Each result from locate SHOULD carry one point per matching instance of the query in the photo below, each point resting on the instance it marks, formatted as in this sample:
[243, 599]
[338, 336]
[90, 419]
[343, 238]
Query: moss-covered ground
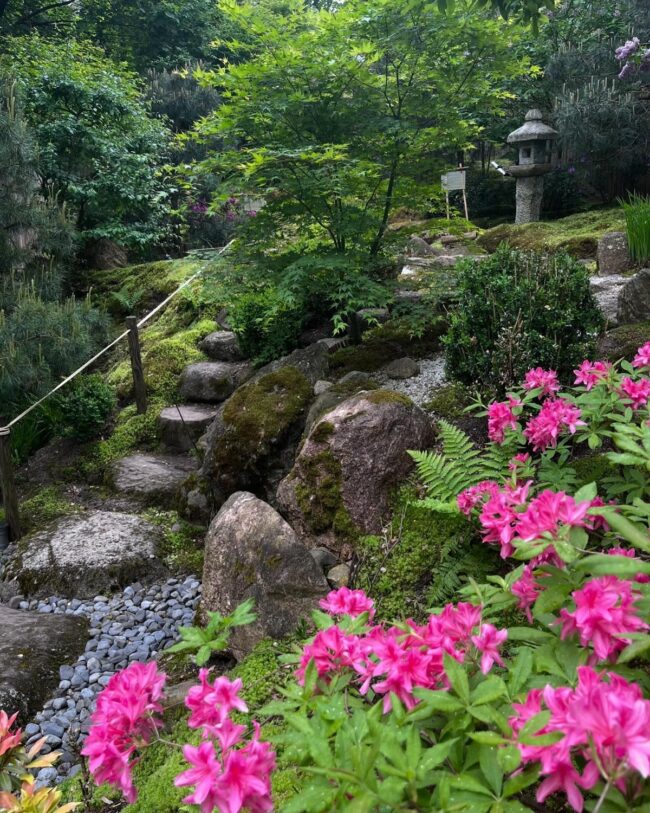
[385, 343]
[578, 234]
[421, 559]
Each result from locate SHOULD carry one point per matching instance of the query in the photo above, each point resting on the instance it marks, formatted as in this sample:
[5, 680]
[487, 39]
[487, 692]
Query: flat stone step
[181, 426]
[89, 553]
[154, 478]
[213, 381]
[222, 345]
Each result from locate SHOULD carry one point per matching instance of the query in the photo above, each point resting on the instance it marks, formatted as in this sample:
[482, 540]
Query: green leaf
[490, 767]
[436, 755]
[509, 758]
[488, 690]
[635, 649]
[520, 671]
[487, 737]
[465, 781]
[203, 655]
[433, 701]
[457, 678]
[515, 784]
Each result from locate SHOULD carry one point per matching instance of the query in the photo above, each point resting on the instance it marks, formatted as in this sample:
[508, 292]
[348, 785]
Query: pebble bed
[135, 625]
[420, 388]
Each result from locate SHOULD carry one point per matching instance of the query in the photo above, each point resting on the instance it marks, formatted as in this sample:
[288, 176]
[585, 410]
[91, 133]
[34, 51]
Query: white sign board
[452, 181]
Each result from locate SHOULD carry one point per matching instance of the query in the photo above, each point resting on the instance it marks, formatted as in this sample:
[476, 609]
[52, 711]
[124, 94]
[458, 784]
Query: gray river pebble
[135, 625]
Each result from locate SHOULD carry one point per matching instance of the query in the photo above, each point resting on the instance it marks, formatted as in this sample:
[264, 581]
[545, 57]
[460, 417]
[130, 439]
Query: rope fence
[133, 325]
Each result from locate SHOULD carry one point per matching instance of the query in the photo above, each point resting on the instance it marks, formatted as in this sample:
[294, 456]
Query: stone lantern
[534, 140]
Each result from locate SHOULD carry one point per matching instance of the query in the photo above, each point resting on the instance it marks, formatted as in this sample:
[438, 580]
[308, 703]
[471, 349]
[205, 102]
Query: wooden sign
[454, 181]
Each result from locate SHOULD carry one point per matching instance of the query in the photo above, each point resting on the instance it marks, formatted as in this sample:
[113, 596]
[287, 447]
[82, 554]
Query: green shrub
[519, 310]
[85, 409]
[637, 219]
[266, 325]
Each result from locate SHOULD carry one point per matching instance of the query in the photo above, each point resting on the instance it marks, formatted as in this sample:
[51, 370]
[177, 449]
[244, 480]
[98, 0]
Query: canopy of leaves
[99, 147]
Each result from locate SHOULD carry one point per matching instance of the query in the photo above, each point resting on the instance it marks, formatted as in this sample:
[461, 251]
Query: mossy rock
[348, 465]
[255, 428]
[422, 560]
[181, 548]
[577, 234]
[622, 342]
[387, 343]
[449, 401]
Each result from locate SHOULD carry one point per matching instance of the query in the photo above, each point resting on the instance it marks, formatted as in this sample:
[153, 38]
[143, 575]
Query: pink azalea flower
[348, 602]
[638, 392]
[642, 358]
[589, 374]
[604, 613]
[545, 428]
[546, 512]
[526, 588]
[544, 379]
[332, 650]
[468, 499]
[211, 704]
[204, 774]
[605, 722]
[487, 642]
[500, 418]
[124, 720]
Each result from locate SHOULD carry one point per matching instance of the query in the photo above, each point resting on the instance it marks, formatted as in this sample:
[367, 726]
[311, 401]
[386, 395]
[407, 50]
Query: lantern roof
[533, 130]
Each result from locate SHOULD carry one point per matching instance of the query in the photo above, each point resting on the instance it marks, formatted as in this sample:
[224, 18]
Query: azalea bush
[532, 685]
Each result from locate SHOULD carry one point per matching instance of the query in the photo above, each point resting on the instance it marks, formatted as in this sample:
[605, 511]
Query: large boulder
[251, 552]
[252, 441]
[222, 345]
[349, 464]
[213, 381]
[88, 554]
[32, 648]
[613, 254]
[634, 298]
[153, 478]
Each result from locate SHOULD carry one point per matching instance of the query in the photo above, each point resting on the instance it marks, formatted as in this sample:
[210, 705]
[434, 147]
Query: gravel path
[135, 625]
[419, 388]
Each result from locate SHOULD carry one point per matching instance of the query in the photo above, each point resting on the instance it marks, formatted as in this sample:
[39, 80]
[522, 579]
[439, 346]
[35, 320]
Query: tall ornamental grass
[637, 216]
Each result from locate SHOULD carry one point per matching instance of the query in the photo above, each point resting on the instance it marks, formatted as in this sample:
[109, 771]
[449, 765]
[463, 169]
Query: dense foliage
[336, 119]
[99, 147]
[44, 333]
[517, 309]
[532, 686]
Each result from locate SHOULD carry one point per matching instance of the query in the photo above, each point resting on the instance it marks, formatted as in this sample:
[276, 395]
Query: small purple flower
[571, 170]
[626, 70]
[251, 213]
[625, 51]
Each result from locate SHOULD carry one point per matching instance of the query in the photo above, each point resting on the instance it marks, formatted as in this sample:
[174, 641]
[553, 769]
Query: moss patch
[577, 234]
[166, 350]
[132, 433]
[48, 504]
[592, 469]
[449, 401]
[623, 341]
[138, 288]
[182, 544]
[387, 397]
[422, 560]
[386, 343]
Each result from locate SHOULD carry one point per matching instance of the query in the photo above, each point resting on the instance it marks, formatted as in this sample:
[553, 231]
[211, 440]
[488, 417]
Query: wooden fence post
[9, 495]
[139, 385]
